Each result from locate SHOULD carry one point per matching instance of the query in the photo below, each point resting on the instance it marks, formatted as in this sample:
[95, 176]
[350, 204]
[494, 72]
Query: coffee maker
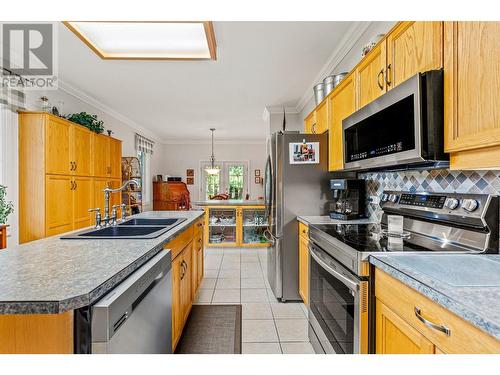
[349, 199]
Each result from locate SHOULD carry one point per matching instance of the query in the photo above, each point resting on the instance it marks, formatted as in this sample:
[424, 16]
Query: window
[232, 179]
[145, 159]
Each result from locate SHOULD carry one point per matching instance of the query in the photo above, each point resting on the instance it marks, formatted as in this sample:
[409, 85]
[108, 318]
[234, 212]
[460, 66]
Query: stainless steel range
[339, 310]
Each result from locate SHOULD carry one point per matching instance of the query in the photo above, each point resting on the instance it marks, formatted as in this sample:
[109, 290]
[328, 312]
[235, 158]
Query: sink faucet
[107, 193]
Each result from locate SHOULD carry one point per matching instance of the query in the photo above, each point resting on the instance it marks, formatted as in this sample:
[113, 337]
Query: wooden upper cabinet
[370, 76]
[310, 122]
[81, 151]
[115, 161]
[57, 146]
[413, 47]
[321, 125]
[101, 155]
[342, 103]
[471, 84]
[395, 336]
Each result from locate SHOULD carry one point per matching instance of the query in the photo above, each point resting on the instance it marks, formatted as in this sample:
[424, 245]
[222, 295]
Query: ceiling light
[148, 40]
[212, 169]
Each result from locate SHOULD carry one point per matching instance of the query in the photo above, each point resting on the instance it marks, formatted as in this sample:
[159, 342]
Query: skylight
[148, 40]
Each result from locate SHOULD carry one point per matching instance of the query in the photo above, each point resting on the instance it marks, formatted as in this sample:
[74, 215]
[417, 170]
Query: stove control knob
[393, 198]
[470, 205]
[384, 197]
[451, 203]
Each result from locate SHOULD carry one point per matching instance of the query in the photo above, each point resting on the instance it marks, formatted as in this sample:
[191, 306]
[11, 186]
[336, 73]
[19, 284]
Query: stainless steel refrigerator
[292, 187]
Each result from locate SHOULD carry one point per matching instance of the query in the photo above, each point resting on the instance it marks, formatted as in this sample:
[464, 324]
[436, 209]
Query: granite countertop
[53, 275]
[311, 220]
[230, 202]
[466, 284]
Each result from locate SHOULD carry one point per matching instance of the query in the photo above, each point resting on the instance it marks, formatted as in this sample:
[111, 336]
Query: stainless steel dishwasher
[136, 316]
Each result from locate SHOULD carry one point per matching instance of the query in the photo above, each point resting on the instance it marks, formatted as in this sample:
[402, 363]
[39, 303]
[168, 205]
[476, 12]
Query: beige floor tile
[228, 283]
[254, 295]
[256, 311]
[230, 266]
[259, 331]
[292, 329]
[208, 283]
[297, 348]
[253, 283]
[212, 264]
[204, 296]
[211, 274]
[289, 310]
[251, 274]
[229, 274]
[261, 348]
[226, 296]
[272, 298]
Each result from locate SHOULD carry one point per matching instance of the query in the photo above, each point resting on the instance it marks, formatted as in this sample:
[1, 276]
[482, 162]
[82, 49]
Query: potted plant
[6, 208]
[89, 121]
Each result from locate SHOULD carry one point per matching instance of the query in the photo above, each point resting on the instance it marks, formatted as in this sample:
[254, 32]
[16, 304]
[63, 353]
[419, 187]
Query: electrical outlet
[374, 199]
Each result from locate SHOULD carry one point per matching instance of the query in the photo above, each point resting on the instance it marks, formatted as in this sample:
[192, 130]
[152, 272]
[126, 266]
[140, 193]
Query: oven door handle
[348, 283]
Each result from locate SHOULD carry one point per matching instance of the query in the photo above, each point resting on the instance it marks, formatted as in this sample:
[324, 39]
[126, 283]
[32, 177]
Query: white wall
[176, 158]
[350, 60]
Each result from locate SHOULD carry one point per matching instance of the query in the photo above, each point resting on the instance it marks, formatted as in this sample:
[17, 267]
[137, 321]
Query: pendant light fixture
[212, 169]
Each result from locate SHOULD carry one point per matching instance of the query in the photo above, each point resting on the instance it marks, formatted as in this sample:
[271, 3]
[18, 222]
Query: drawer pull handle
[430, 324]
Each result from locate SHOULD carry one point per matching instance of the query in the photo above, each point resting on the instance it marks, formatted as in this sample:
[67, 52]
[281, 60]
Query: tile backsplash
[436, 180]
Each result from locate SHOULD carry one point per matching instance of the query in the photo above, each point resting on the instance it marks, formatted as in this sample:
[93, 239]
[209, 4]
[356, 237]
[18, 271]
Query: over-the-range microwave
[401, 129]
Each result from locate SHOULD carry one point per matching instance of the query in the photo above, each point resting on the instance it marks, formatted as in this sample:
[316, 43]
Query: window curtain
[11, 98]
[142, 144]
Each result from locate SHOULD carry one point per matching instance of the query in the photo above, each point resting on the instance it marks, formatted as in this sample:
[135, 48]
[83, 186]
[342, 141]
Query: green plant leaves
[6, 208]
[89, 121]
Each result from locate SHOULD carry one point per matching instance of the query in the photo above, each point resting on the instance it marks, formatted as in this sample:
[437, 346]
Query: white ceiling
[258, 64]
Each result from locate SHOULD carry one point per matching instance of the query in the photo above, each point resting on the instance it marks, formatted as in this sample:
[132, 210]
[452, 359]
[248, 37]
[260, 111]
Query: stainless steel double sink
[135, 228]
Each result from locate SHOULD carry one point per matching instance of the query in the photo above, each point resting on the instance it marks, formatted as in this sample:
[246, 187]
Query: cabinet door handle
[183, 270]
[76, 185]
[72, 187]
[76, 165]
[70, 165]
[380, 74]
[387, 75]
[313, 128]
[428, 323]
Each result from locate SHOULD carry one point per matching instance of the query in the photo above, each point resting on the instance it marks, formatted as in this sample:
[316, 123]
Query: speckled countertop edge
[81, 300]
[389, 265]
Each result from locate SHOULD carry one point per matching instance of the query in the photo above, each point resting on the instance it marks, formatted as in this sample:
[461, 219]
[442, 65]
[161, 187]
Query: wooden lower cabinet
[59, 201]
[83, 199]
[395, 336]
[304, 269]
[399, 330]
[37, 334]
[99, 185]
[187, 273]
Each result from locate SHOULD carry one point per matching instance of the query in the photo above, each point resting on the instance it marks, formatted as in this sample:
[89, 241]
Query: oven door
[338, 308]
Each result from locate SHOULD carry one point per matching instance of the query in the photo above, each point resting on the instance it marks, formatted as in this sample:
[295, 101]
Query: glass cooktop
[369, 238]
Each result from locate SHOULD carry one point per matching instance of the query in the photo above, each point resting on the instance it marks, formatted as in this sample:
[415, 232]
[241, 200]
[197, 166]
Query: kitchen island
[44, 281]
[437, 303]
[235, 223]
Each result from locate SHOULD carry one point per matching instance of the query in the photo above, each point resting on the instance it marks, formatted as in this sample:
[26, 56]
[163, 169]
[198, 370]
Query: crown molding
[346, 44]
[278, 110]
[90, 100]
[219, 142]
